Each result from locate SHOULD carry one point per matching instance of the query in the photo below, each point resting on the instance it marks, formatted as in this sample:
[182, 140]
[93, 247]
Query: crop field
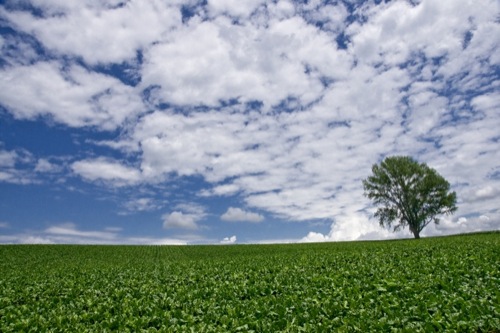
[438, 284]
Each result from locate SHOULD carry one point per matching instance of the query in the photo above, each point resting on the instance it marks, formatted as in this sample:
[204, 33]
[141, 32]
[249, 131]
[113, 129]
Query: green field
[436, 284]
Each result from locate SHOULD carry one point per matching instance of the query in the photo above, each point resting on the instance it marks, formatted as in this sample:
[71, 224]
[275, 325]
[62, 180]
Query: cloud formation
[353, 227]
[113, 33]
[106, 170]
[185, 217]
[239, 215]
[229, 240]
[13, 164]
[180, 220]
[281, 106]
[70, 233]
[70, 95]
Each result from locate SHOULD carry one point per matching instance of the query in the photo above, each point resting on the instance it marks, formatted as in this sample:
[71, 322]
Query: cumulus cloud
[35, 240]
[449, 226]
[155, 241]
[353, 227]
[110, 171]
[180, 220]
[486, 192]
[112, 34]
[69, 229]
[7, 158]
[44, 165]
[239, 215]
[73, 96]
[70, 233]
[360, 227]
[268, 65]
[141, 204]
[236, 8]
[229, 240]
[14, 167]
[285, 105]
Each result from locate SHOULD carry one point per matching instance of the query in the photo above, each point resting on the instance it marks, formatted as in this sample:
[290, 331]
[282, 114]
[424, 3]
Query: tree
[408, 193]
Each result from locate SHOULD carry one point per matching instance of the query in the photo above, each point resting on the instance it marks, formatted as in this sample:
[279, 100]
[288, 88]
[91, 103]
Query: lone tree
[408, 193]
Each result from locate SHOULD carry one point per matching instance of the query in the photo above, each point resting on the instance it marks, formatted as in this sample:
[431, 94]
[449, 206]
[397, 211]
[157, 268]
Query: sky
[240, 121]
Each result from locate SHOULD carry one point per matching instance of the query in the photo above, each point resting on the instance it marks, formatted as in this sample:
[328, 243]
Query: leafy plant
[437, 284]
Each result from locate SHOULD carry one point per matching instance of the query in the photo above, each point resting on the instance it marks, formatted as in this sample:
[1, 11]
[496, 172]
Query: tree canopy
[408, 193]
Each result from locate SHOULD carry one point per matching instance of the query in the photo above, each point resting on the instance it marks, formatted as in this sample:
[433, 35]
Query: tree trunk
[416, 232]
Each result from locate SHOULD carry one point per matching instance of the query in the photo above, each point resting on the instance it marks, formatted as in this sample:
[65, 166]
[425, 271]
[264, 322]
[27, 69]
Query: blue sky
[239, 121]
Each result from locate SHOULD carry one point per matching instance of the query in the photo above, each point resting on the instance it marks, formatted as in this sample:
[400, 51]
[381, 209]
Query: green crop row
[441, 284]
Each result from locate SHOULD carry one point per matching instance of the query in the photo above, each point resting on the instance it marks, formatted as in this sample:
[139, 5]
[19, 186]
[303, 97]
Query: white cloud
[273, 160]
[72, 96]
[221, 190]
[353, 227]
[69, 229]
[488, 102]
[331, 16]
[265, 65]
[44, 165]
[187, 145]
[17, 51]
[236, 8]
[4, 225]
[111, 35]
[7, 158]
[156, 241]
[239, 215]
[229, 240]
[180, 220]
[191, 208]
[34, 240]
[394, 30]
[315, 237]
[13, 167]
[186, 216]
[411, 79]
[69, 233]
[141, 205]
[359, 227]
[11, 177]
[102, 169]
[487, 192]
[274, 241]
[449, 226]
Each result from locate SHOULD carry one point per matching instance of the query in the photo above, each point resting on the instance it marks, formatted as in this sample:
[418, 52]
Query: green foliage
[438, 284]
[410, 193]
